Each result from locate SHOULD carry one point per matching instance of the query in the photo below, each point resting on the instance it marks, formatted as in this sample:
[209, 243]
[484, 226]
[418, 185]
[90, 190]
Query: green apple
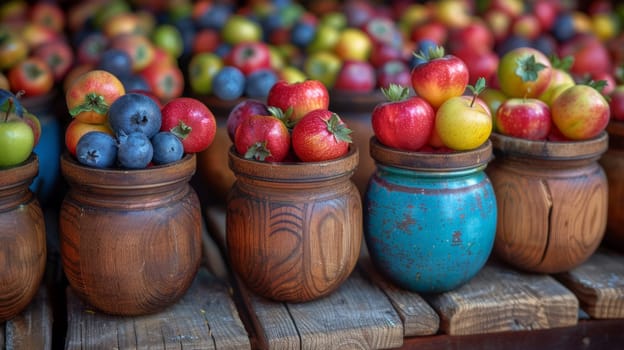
[324, 39]
[323, 66]
[201, 69]
[291, 74]
[168, 37]
[334, 19]
[239, 29]
[17, 140]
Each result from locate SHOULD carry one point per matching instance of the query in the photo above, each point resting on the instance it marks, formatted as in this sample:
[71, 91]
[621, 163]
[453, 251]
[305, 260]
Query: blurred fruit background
[226, 51]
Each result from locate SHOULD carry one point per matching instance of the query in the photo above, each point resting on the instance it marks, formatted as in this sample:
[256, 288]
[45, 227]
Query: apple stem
[8, 111]
[476, 89]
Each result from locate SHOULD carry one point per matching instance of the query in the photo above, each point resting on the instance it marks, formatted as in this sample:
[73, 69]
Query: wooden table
[500, 308]
[32, 328]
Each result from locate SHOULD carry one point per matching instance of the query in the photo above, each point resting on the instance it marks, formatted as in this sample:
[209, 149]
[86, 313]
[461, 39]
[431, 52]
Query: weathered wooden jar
[429, 218]
[294, 230]
[612, 161]
[552, 200]
[22, 239]
[214, 178]
[130, 239]
[355, 110]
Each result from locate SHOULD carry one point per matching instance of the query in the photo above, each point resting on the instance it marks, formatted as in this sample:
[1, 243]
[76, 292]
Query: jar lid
[431, 161]
[568, 150]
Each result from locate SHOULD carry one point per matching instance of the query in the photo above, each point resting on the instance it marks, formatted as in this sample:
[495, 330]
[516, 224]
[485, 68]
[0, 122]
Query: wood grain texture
[503, 299]
[552, 205]
[22, 239]
[613, 164]
[598, 284]
[418, 317]
[30, 329]
[130, 244]
[205, 318]
[293, 238]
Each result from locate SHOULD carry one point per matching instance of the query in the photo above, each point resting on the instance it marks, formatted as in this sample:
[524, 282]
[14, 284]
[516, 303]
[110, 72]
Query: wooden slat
[599, 284]
[357, 315]
[32, 328]
[205, 318]
[418, 317]
[502, 299]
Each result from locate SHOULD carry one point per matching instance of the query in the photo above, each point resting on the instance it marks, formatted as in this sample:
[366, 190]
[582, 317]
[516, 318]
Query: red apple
[192, 121]
[48, 14]
[591, 56]
[432, 30]
[58, 55]
[527, 118]
[91, 47]
[524, 72]
[616, 103]
[482, 63]
[475, 36]
[394, 72]
[249, 57]
[356, 76]
[383, 53]
[166, 81]
[241, 111]
[403, 122]
[546, 12]
[526, 26]
[89, 96]
[33, 75]
[440, 77]
[580, 112]
[299, 97]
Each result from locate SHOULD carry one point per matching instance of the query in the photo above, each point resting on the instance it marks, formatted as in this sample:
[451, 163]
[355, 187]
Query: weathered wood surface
[30, 329]
[599, 284]
[500, 298]
[418, 317]
[205, 318]
[356, 316]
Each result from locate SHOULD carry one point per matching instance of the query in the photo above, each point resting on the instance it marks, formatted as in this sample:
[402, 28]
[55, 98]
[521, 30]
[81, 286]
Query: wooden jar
[22, 239]
[612, 161]
[130, 239]
[294, 230]
[355, 110]
[552, 199]
[429, 218]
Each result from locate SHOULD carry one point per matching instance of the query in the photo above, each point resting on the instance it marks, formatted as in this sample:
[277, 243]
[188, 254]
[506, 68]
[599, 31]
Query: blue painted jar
[430, 218]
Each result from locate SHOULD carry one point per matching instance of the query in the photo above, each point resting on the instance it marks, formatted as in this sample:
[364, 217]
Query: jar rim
[25, 170]
[430, 161]
[295, 171]
[552, 150]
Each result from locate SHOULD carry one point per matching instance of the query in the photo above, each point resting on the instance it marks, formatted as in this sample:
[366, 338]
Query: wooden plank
[502, 299]
[598, 284]
[205, 318]
[418, 317]
[32, 328]
[586, 335]
[357, 315]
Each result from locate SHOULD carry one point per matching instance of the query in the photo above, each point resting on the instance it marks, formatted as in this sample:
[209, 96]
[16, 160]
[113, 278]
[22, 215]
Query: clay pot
[130, 239]
[355, 110]
[22, 239]
[612, 161]
[294, 230]
[552, 199]
[430, 218]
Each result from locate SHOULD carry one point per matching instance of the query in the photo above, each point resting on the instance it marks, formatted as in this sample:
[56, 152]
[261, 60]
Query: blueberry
[135, 151]
[115, 61]
[167, 148]
[96, 149]
[215, 17]
[563, 27]
[135, 112]
[259, 83]
[229, 83]
[302, 33]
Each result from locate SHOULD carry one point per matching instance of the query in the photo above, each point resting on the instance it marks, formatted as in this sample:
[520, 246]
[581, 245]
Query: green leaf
[395, 93]
[92, 102]
[258, 151]
[561, 63]
[477, 89]
[528, 68]
[338, 129]
[182, 130]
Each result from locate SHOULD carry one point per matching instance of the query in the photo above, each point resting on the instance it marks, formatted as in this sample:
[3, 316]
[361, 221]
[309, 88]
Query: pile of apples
[539, 101]
[35, 54]
[440, 117]
[294, 125]
[112, 128]
[20, 130]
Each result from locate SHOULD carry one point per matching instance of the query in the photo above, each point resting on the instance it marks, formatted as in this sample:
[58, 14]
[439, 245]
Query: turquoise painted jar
[429, 218]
